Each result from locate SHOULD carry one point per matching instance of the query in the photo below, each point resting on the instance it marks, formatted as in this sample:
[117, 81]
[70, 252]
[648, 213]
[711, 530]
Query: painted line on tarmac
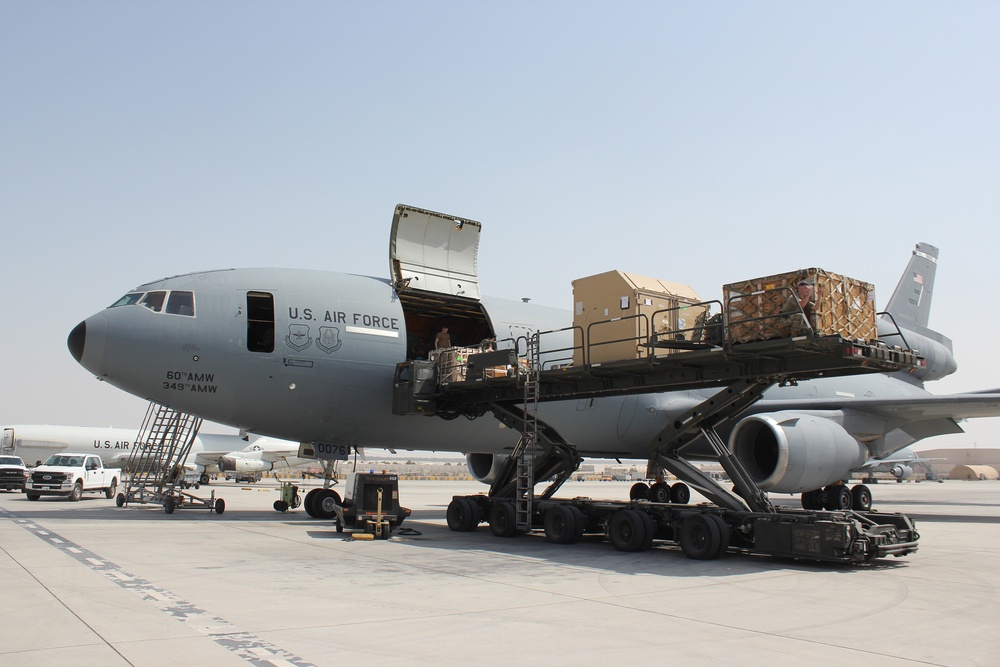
[247, 646]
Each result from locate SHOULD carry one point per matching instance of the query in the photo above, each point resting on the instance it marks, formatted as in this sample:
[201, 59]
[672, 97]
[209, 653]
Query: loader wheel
[463, 515]
[503, 519]
[561, 524]
[700, 537]
[627, 530]
[220, 506]
[169, 505]
[725, 534]
[120, 500]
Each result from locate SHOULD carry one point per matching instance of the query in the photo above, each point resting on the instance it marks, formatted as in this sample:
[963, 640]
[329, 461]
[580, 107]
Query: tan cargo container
[617, 311]
[843, 306]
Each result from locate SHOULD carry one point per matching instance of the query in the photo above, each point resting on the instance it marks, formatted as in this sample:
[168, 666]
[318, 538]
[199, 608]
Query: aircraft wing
[874, 463]
[909, 409]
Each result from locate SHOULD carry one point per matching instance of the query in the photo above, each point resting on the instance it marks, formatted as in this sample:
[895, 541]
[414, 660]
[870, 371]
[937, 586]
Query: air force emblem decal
[329, 339]
[298, 337]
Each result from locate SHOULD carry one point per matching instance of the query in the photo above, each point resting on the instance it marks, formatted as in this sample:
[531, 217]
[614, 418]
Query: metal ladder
[156, 462]
[527, 446]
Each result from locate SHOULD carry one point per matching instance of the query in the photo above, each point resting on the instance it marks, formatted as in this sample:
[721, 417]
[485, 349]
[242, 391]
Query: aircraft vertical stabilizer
[910, 304]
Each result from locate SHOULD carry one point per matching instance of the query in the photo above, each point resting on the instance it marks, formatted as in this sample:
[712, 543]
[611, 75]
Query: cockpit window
[127, 300]
[154, 301]
[181, 303]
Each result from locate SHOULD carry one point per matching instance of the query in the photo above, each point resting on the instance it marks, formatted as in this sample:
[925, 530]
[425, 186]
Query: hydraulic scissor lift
[742, 519]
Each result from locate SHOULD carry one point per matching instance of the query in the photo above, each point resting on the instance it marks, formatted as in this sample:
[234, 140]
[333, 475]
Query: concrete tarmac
[89, 583]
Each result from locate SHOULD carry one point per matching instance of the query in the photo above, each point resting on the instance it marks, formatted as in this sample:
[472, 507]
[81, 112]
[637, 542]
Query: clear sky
[697, 142]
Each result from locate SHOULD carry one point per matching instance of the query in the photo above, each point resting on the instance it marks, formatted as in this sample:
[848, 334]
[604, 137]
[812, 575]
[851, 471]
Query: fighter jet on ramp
[310, 356]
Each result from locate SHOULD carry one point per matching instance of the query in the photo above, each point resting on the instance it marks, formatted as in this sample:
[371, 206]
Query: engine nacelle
[485, 467]
[789, 452]
[901, 471]
[231, 463]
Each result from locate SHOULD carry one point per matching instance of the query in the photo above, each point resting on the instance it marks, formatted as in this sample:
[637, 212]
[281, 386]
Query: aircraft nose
[77, 341]
[86, 342]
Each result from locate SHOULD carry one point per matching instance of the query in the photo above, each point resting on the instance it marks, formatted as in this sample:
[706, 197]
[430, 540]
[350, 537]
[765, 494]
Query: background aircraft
[310, 356]
[900, 465]
[210, 453]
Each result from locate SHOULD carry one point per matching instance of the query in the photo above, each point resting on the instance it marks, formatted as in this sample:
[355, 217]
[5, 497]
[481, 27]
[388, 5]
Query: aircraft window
[260, 322]
[181, 303]
[127, 300]
[154, 301]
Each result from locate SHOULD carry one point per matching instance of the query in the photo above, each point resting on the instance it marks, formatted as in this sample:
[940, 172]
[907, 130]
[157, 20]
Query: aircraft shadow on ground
[595, 551]
[427, 530]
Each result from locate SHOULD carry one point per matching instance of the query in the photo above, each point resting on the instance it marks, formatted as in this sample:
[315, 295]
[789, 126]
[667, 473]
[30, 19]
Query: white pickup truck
[70, 475]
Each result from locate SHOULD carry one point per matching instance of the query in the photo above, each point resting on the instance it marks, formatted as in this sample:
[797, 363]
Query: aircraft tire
[110, 491]
[280, 506]
[812, 500]
[700, 537]
[861, 498]
[308, 505]
[639, 491]
[503, 519]
[627, 530]
[120, 500]
[324, 502]
[561, 524]
[659, 492]
[204, 478]
[838, 498]
[680, 493]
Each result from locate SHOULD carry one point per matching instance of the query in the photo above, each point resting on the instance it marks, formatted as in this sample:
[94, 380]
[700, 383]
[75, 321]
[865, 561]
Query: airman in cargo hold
[804, 299]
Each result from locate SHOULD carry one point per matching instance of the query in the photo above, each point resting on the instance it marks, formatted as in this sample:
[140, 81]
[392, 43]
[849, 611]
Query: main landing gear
[838, 497]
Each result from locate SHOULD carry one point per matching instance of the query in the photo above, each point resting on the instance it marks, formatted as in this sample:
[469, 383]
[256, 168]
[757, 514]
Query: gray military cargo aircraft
[310, 356]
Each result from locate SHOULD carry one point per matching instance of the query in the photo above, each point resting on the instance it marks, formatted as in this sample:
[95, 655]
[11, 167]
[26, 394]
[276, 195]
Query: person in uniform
[804, 300]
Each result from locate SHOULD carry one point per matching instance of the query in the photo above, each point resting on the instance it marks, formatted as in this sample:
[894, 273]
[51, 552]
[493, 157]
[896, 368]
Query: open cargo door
[434, 252]
[432, 260]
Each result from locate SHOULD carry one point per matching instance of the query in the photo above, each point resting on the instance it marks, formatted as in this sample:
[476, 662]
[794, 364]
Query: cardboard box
[617, 313]
[843, 306]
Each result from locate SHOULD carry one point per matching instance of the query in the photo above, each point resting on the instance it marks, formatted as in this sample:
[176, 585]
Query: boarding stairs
[156, 463]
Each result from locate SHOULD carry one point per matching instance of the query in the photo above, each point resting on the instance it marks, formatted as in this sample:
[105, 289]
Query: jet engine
[788, 452]
[231, 463]
[485, 467]
[901, 471]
